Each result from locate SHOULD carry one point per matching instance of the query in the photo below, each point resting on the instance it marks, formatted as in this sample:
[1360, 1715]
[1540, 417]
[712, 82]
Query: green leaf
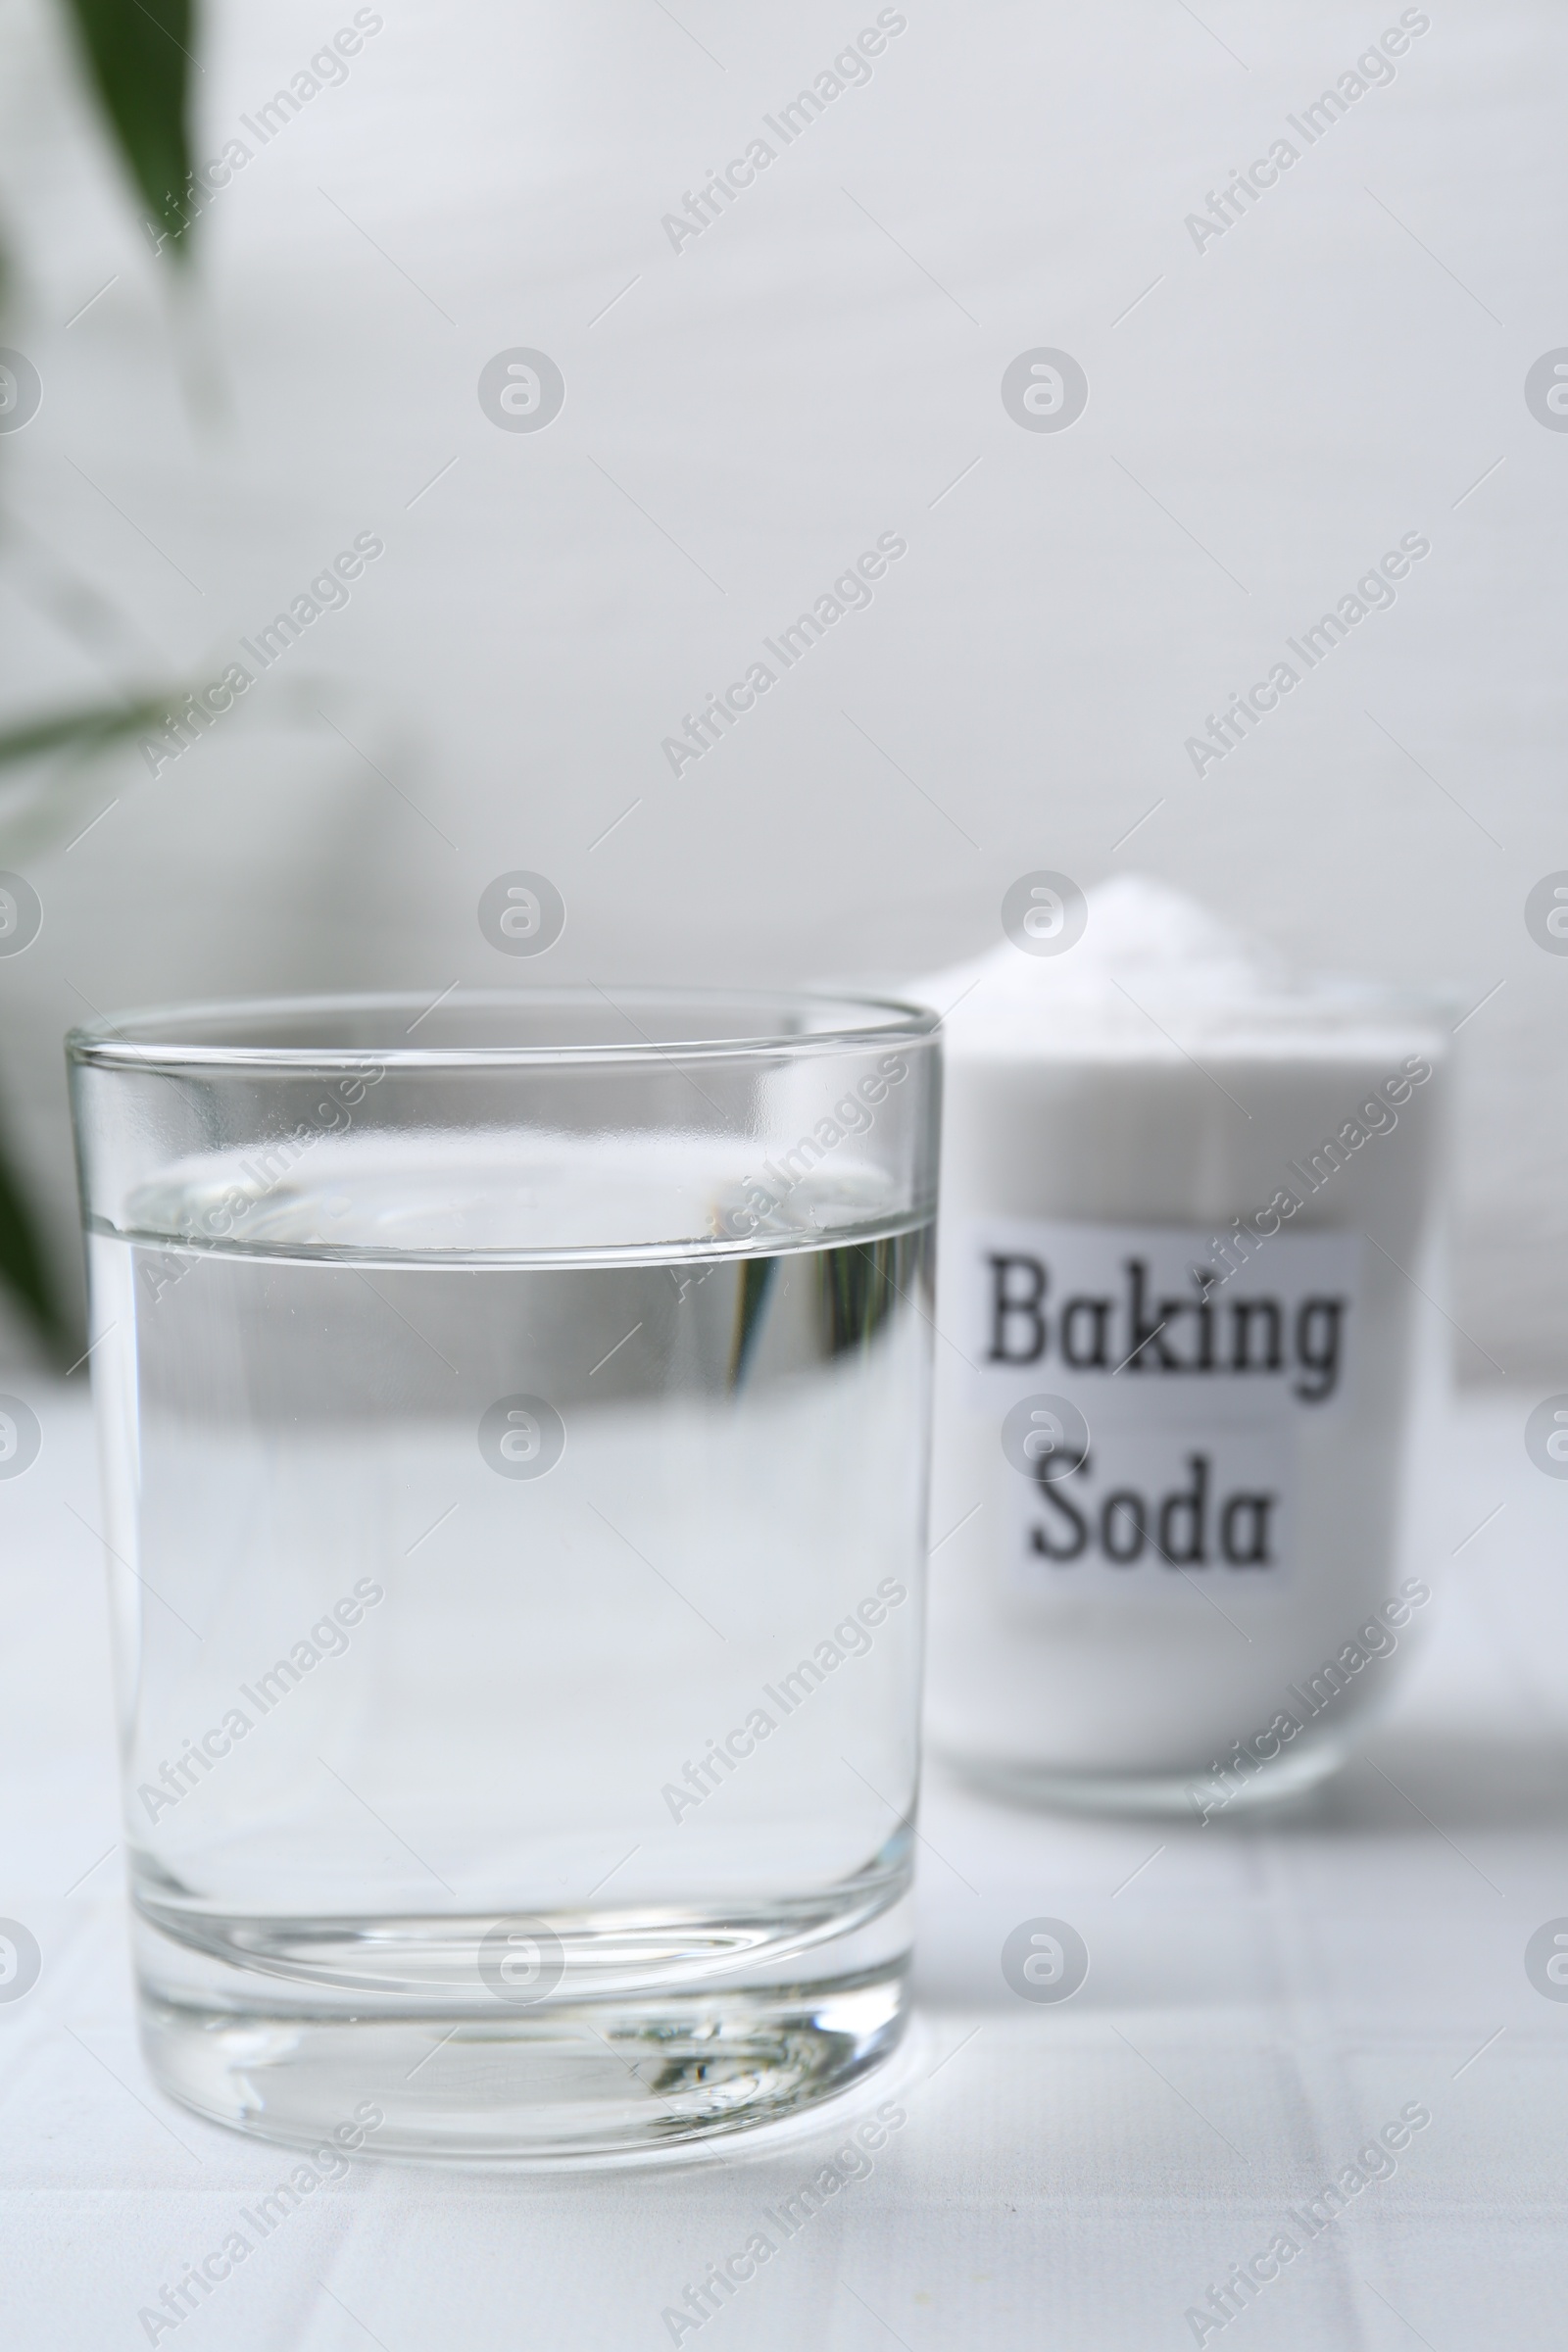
[138, 54]
[90, 730]
[23, 1269]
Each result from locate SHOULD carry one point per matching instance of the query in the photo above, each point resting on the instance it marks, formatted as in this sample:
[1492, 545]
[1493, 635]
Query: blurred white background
[822, 364]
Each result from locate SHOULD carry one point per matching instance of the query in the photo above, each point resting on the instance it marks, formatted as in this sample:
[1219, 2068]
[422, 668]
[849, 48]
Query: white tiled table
[1262, 2000]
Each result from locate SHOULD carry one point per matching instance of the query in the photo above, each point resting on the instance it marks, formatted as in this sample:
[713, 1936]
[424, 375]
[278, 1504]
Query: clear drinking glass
[513, 1417]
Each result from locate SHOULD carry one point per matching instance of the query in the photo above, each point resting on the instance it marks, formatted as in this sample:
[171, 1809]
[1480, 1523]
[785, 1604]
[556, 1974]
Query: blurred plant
[136, 55]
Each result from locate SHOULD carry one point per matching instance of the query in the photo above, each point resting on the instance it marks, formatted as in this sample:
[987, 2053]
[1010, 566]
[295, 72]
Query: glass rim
[1335, 1006]
[151, 1038]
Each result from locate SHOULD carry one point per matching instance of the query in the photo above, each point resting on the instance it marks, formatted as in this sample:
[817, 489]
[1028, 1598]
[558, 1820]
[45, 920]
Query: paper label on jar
[1155, 1392]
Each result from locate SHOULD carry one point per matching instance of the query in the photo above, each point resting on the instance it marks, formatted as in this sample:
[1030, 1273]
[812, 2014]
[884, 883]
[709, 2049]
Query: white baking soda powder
[1187, 1242]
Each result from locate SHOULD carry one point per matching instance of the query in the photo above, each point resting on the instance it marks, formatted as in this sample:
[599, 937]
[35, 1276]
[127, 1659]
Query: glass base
[597, 2085]
[434, 2073]
[1195, 1796]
